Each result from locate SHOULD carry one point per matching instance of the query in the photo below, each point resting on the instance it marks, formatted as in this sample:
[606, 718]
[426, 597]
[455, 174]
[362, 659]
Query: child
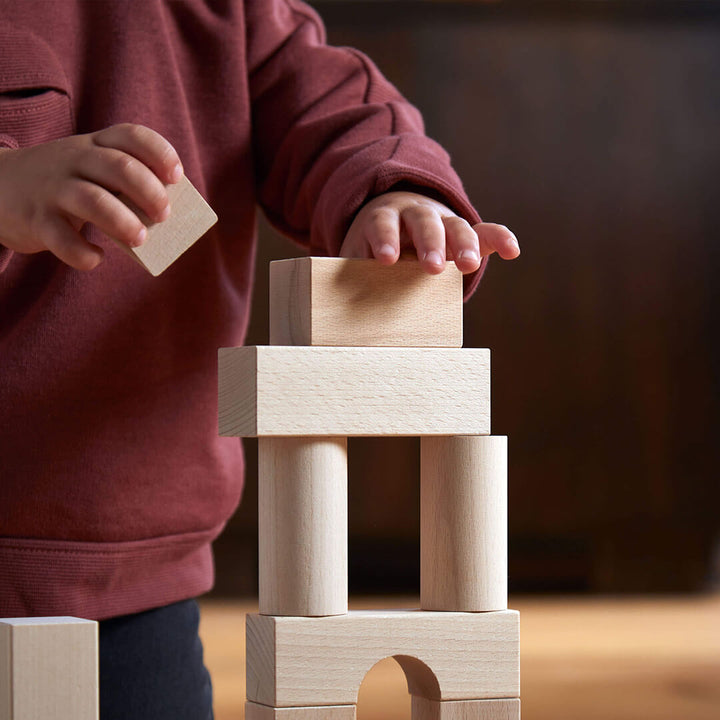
[113, 480]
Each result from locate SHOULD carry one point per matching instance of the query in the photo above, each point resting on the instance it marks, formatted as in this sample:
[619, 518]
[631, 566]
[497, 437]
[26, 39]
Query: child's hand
[48, 192]
[397, 220]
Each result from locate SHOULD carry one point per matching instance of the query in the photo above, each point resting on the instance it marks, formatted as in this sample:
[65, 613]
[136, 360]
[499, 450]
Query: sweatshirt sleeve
[35, 104]
[6, 143]
[330, 132]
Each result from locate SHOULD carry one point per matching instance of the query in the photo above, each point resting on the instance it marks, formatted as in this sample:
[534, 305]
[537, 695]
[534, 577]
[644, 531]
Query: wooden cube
[48, 669]
[190, 218]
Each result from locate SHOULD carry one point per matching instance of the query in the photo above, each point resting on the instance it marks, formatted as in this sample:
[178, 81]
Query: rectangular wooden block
[191, 217]
[277, 390]
[254, 711]
[423, 709]
[295, 661]
[343, 302]
[48, 669]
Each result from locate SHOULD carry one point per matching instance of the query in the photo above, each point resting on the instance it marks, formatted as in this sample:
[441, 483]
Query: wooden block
[276, 390]
[338, 301]
[254, 711]
[463, 526]
[48, 669]
[322, 661]
[302, 488]
[423, 709]
[191, 217]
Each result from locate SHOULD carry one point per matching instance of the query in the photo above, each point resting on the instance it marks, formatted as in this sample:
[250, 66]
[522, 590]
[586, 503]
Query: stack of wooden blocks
[361, 349]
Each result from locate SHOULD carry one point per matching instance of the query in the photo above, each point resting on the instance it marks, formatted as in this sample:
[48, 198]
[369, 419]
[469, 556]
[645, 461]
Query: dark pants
[151, 666]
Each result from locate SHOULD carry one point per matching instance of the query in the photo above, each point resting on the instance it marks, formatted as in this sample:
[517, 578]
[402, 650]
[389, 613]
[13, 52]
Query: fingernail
[141, 236]
[433, 257]
[470, 256]
[387, 250]
[176, 174]
[164, 214]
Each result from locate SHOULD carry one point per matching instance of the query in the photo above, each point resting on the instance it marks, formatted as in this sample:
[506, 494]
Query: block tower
[361, 349]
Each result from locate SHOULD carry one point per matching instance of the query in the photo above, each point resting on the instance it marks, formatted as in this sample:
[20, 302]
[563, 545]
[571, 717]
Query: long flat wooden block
[254, 711]
[277, 390]
[423, 709]
[463, 523]
[48, 669]
[302, 526]
[322, 661]
[190, 218]
[343, 302]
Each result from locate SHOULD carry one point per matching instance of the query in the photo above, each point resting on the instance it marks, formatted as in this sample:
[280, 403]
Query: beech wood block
[254, 711]
[277, 390]
[322, 661]
[340, 301]
[303, 537]
[423, 709]
[463, 523]
[190, 218]
[48, 669]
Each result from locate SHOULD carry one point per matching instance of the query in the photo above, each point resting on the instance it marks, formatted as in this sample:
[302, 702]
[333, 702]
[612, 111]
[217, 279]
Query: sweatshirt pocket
[35, 104]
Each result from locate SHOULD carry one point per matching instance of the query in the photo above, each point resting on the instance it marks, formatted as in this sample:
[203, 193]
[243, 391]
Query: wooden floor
[582, 659]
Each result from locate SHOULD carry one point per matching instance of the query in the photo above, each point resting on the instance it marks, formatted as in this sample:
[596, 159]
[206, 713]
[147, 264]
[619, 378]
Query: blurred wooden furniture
[590, 129]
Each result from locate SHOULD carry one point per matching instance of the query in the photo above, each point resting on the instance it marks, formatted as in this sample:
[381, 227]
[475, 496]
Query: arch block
[299, 661]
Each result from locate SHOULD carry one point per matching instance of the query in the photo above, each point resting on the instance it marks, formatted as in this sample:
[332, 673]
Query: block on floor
[504, 709]
[48, 669]
[255, 711]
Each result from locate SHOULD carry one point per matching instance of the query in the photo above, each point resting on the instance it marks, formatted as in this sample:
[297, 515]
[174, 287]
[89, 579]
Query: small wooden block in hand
[190, 218]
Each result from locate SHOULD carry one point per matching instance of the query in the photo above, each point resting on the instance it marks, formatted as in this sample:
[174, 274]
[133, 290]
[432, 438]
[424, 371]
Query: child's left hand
[396, 220]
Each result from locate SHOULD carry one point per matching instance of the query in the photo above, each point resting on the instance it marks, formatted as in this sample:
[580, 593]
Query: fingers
[462, 243]
[380, 235]
[69, 246]
[144, 144]
[497, 238]
[401, 219]
[116, 170]
[83, 199]
[425, 228]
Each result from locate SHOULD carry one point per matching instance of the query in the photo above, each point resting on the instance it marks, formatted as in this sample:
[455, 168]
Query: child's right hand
[48, 192]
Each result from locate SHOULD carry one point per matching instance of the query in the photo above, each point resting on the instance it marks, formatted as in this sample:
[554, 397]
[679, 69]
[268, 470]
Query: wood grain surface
[592, 658]
[279, 390]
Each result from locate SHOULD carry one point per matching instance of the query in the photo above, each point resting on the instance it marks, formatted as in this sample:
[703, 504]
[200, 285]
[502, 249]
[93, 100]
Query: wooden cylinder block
[463, 529]
[302, 525]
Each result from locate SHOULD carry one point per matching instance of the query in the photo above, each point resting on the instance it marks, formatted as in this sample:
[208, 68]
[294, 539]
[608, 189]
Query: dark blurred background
[592, 129]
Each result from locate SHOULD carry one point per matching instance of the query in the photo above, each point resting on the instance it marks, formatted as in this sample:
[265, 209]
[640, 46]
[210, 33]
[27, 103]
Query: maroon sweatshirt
[113, 480]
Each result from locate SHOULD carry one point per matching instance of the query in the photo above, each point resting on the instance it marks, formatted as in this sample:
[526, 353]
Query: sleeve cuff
[7, 142]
